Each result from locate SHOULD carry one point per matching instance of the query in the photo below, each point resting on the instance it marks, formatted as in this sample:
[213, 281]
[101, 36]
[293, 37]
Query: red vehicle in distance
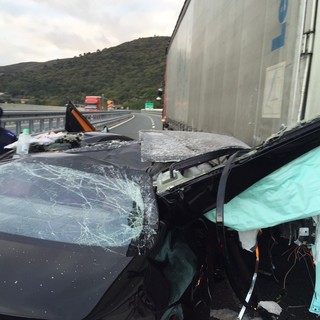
[95, 103]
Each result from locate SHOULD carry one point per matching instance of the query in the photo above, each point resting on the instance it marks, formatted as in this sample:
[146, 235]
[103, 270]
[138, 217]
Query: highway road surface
[138, 121]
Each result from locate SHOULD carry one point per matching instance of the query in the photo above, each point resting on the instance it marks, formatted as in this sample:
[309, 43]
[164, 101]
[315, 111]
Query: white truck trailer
[243, 68]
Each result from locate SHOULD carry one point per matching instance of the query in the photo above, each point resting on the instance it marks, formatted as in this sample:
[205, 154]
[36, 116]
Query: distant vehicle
[243, 69]
[111, 106]
[95, 103]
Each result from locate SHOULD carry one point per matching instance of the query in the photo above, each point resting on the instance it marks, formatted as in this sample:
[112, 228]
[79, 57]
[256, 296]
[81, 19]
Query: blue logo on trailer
[279, 40]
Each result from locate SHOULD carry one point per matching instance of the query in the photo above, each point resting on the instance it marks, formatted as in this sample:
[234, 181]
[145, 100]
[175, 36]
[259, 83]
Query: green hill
[128, 74]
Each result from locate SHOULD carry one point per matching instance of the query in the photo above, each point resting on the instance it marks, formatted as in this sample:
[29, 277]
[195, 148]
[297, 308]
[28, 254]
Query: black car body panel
[51, 280]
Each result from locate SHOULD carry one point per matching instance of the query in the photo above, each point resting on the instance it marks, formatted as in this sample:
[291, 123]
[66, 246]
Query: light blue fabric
[290, 193]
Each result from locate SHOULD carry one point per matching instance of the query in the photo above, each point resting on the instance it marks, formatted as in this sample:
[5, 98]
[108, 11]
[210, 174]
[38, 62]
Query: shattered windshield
[180, 145]
[102, 206]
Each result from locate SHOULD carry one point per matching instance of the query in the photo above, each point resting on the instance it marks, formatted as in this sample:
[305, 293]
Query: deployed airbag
[290, 193]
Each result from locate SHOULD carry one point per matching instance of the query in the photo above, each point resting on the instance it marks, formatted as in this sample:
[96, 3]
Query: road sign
[148, 105]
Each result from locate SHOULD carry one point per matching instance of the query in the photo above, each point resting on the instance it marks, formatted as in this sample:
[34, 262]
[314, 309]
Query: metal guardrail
[44, 121]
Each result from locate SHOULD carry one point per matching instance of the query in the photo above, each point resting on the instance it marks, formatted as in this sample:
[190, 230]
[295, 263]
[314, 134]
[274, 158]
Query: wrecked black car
[99, 226]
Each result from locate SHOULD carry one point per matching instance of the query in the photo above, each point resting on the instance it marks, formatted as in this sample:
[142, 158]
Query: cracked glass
[99, 205]
[179, 145]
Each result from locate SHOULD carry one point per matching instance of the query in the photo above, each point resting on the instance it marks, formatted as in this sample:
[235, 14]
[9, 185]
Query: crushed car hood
[70, 224]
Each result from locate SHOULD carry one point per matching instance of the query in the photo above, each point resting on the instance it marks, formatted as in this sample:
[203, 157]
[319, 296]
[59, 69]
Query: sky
[43, 30]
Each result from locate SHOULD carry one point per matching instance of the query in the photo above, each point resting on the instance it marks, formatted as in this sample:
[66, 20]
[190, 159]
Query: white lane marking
[152, 122]
[121, 123]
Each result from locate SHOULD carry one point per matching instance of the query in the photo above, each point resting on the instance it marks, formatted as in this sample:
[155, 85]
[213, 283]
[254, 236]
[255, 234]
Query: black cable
[221, 230]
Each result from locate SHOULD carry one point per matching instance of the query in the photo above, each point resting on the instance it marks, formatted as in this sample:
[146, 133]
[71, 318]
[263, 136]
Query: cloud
[37, 30]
